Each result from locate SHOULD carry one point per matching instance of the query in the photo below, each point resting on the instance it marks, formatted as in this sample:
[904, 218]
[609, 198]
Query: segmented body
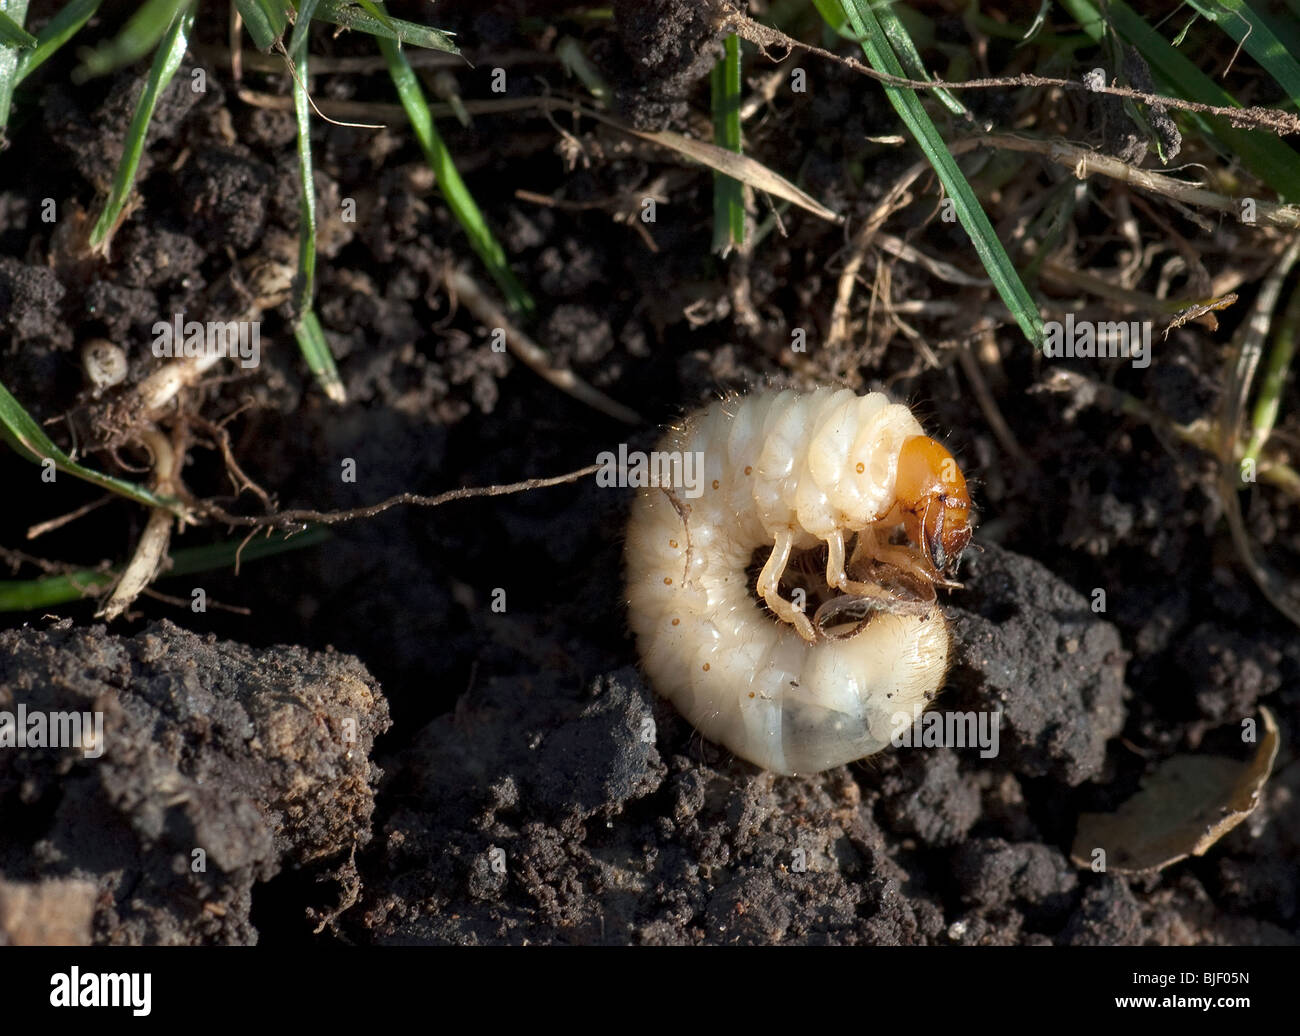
[793, 470]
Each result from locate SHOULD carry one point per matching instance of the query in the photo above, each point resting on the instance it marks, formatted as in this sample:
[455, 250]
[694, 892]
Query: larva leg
[838, 579]
[769, 583]
[873, 546]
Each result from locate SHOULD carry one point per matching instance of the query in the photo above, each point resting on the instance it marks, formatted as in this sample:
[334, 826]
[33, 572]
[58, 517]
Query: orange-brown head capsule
[931, 493]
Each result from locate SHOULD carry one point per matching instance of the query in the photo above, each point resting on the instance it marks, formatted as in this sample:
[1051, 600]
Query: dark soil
[221, 765]
[498, 788]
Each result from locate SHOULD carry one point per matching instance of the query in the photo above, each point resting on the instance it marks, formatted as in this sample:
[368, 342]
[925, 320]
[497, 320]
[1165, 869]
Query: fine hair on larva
[826, 474]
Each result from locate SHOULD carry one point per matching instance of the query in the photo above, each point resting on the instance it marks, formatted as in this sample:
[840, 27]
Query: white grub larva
[799, 483]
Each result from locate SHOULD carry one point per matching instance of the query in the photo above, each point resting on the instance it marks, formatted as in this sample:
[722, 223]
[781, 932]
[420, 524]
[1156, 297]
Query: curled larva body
[786, 473]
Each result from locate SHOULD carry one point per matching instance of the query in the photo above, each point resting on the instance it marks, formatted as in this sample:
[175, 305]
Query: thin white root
[151, 551]
[158, 389]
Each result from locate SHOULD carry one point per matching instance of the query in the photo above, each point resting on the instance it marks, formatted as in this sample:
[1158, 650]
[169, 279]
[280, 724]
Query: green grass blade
[1263, 154]
[14, 35]
[454, 191]
[375, 11]
[10, 58]
[1285, 29]
[906, 52]
[875, 44]
[1246, 27]
[266, 21]
[316, 351]
[728, 192]
[141, 32]
[22, 595]
[1039, 23]
[302, 30]
[349, 16]
[1278, 365]
[833, 15]
[167, 59]
[58, 30]
[28, 439]
[306, 287]
[307, 330]
[18, 595]
[575, 62]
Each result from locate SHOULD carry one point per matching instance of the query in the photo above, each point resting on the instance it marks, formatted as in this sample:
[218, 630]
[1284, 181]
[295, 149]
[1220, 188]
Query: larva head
[931, 493]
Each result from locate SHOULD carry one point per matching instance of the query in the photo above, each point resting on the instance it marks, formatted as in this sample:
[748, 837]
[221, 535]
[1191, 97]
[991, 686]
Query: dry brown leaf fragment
[1186, 805]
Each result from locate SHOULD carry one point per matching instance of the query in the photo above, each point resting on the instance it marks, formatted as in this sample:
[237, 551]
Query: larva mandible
[791, 472]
